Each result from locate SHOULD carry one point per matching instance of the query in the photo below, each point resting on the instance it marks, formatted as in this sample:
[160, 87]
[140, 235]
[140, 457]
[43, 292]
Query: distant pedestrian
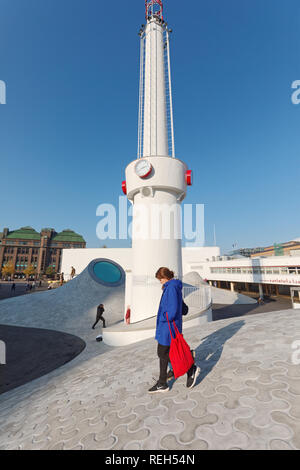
[33, 285]
[127, 316]
[100, 311]
[62, 279]
[73, 272]
[13, 287]
[261, 301]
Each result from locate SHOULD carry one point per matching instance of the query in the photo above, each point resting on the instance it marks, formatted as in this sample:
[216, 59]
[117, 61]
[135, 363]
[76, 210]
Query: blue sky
[69, 127]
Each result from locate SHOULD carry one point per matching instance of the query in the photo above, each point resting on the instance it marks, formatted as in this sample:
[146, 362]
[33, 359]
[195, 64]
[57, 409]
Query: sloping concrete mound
[219, 296]
[193, 279]
[70, 308]
[196, 293]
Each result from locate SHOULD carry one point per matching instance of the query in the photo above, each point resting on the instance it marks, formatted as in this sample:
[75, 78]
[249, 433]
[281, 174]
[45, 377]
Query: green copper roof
[68, 236]
[24, 233]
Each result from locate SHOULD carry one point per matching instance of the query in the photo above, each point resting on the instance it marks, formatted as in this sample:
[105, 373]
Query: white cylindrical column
[155, 217]
[156, 230]
[155, 118]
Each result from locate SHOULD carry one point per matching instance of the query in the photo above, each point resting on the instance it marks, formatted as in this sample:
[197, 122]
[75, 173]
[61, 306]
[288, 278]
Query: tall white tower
[156, 182]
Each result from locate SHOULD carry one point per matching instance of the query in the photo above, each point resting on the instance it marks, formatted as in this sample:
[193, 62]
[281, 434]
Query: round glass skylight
[107, 272]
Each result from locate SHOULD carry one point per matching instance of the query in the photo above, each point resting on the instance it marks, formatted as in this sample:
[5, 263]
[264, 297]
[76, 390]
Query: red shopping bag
[180, 354]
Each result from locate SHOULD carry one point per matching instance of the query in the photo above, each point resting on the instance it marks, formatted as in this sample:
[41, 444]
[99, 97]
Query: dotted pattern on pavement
[246, 397]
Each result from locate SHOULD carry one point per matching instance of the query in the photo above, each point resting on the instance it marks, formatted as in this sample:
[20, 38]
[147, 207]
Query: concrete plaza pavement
[221, 312]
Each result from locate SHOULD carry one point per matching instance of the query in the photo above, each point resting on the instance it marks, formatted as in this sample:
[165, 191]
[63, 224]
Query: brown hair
[164, 273]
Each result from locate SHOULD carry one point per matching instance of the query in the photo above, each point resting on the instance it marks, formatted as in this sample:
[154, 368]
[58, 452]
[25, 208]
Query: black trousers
[163, 354]
[99, 317]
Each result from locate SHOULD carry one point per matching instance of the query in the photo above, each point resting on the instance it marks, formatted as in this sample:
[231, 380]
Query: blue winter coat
[171, 303]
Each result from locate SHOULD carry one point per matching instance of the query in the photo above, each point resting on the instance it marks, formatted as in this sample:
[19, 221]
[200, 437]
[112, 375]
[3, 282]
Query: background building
[291, 248]
[25, 247]
[271, 276]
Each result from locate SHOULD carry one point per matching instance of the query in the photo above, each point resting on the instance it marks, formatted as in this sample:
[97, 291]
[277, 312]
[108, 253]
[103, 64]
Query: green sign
[278, 249]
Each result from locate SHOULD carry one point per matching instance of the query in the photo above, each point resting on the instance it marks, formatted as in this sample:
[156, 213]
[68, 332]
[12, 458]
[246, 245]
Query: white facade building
[277, 270]
[193, 259]
[268, 276]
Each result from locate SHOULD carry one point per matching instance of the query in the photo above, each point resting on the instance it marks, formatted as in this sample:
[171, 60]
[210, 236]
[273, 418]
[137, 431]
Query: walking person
[171, 306]
[100, 311]
[13, 288]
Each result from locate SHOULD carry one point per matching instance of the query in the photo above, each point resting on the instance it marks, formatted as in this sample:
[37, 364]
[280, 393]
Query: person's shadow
[208, 353]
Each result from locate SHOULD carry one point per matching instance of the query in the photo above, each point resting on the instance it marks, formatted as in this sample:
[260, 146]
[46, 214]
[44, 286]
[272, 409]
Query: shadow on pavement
[208, 353]
[32, 353]
[221, 312]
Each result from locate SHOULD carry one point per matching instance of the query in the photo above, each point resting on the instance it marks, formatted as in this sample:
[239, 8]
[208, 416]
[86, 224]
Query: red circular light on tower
[124, 187]
[189, 178]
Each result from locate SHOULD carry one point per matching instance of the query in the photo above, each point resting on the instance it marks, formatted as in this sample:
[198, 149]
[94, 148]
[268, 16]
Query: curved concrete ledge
[219, 296]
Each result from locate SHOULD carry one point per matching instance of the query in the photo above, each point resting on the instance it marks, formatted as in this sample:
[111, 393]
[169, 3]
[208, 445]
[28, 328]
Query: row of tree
[9, 270]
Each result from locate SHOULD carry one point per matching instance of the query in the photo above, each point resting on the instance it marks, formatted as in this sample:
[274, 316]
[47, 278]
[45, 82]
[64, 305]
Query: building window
[292, 270]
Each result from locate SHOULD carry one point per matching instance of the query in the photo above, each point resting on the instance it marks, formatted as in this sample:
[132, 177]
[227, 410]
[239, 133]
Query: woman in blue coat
[171, 305]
